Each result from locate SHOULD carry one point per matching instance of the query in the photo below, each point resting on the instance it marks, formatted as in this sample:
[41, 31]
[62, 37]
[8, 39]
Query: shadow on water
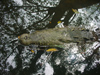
[16, 59]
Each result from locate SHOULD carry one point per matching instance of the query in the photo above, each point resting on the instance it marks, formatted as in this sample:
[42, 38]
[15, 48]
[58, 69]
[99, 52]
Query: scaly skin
[57, 36]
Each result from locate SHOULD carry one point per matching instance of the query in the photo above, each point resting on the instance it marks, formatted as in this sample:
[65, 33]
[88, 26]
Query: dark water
[17, 59]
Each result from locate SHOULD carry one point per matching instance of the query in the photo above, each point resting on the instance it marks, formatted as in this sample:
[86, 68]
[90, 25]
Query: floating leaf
[32, 51]
[18, 37]
[59, 22]
[75, 11]
[51, 49]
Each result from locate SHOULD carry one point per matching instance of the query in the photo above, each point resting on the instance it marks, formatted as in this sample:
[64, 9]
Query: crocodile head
[25, 39]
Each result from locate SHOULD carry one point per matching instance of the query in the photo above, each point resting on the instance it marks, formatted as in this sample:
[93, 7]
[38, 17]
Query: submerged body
[57, 36]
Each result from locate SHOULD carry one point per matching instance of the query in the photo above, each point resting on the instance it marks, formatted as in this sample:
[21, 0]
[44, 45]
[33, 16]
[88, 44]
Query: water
[17, 59]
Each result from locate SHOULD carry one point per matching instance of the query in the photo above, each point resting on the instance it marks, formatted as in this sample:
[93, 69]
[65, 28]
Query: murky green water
[17, 59]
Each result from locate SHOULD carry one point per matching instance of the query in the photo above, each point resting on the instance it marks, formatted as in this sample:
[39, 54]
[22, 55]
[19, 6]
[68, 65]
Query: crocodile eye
[26, 37]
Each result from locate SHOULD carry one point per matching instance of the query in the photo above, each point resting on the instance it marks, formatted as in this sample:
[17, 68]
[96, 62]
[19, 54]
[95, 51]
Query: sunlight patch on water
[57, 61]
[82, 67]
[48, 69]
[72, 47]
[19, 2]
[11, 61]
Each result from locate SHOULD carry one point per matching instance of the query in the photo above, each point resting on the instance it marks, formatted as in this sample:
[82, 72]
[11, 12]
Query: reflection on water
[16, 59]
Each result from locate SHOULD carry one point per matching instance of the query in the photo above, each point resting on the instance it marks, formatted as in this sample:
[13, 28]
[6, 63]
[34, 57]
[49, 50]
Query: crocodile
[57, 36]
